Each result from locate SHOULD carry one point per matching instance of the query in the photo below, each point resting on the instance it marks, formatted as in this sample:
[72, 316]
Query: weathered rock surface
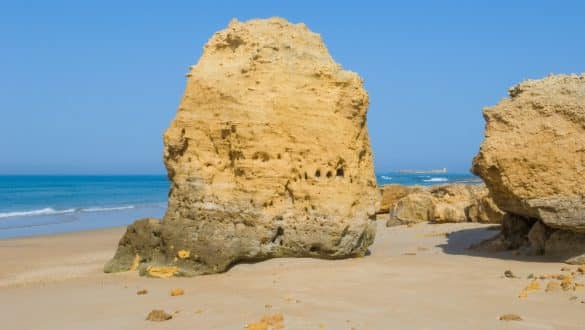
[533, 157]
[268, 155]
[533, 162]
[392, 193]
[443, 203]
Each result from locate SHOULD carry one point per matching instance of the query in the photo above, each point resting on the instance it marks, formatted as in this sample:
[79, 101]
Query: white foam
[436, 180]
[105, 209]
[52, 211]
[45, 211]
[386, 177]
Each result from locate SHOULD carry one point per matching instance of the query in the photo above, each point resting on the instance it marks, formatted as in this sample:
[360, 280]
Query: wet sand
[415, 278]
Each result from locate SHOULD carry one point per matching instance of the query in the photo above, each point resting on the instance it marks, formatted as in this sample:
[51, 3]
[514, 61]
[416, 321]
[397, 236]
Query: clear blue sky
[89, 88]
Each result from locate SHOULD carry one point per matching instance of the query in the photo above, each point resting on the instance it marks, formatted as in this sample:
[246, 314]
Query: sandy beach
[415, 277]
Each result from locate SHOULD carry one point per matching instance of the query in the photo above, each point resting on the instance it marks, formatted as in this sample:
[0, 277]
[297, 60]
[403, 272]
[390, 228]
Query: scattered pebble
[533, 286]
[158, 315]
[567, 283]
[531, 276]
[510, 317]
[565, 269]
[183, 254]
[509, 274]
[553, 286]
[177, 292]
[274, 322]
[409, 254]
[268, 306]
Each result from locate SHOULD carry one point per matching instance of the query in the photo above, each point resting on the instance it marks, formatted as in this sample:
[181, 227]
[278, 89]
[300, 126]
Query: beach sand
[415, 278]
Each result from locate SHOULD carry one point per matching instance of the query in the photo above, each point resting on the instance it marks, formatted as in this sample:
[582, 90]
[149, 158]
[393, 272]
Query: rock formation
[533, 162]
[268, 155]
[392, 193]
[443, 203]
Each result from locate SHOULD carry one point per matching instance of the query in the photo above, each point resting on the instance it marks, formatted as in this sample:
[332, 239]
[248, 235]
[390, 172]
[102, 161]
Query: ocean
[40, 205]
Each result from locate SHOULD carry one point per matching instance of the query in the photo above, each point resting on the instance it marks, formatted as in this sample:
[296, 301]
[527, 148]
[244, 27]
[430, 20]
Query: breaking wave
[436, 180]
[52, 211]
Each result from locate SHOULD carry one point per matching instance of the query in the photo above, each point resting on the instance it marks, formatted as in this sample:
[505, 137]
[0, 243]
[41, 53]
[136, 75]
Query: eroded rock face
[392, 193]
[443, 203]
[533, 156]
[268, 156]
[533, 162]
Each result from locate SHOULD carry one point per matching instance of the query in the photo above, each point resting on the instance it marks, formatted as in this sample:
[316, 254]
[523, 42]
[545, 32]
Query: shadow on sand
[459, 243]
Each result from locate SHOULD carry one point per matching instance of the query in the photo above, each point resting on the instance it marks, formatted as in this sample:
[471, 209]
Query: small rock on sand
[142, 292]
[177, 292]
[510, 317]
[274, 322]
[158, 315]
[509, 274]
[553, 286]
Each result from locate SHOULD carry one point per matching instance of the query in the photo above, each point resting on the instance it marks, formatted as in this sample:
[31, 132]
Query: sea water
[424, 179]
[39, 205]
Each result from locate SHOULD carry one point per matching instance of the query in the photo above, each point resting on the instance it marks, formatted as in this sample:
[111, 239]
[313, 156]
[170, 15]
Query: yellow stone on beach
[553, 286]
[567, 283]
[183, 254]
[177, 292]
[162, 272]
[533, 286]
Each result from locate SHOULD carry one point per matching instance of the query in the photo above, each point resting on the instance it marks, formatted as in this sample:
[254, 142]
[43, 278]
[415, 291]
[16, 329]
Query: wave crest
[52, 211]
[436, 180]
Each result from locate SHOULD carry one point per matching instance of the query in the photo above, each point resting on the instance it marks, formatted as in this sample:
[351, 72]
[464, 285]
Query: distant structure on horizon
[442, 170]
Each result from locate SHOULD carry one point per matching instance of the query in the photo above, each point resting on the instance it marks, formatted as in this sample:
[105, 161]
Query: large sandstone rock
[392, 193]
[444, 203]
[268, 155]
[533, 158]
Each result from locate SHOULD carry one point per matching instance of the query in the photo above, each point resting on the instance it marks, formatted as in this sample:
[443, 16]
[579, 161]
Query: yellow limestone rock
[158, 315]
[177, 292]
[183, 254]
[268, 322]
[510, 317]
[531, 287]
[553, 286]
[162, 272]
[532, 161]
[268, 154]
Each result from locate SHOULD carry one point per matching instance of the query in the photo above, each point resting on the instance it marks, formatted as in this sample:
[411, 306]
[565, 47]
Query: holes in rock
[340, 172]
[318, 173]
[306, 176]
[315, 248]
[279, 234]
[239, 172]
[329, 174]
[225, 133]
[261, 155]
[236, 154]
[279, 156]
